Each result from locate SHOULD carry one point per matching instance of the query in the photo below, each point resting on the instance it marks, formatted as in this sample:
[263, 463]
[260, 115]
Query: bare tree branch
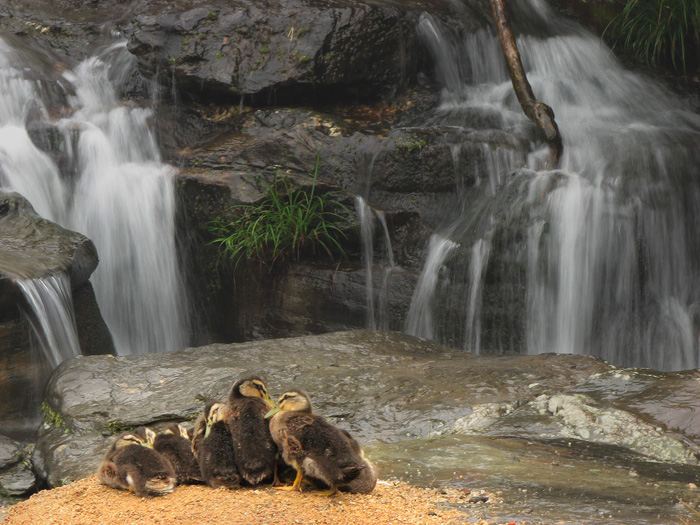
[540, 113]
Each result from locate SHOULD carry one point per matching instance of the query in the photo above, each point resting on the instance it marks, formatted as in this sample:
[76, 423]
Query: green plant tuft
[410, 143]
[283, 225]
[115, 427]
[659, 32]
[51, 417]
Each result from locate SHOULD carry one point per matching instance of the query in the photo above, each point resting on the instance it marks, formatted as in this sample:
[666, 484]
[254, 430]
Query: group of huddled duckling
[239, 443]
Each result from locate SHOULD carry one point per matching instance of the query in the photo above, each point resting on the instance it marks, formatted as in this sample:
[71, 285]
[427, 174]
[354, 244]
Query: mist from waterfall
[110, 184]
[610, 261]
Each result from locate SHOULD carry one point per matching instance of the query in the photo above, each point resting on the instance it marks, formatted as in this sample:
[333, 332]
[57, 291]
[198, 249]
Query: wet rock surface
[424, 412]
[33, 247]
[278, 52]
[16, 475]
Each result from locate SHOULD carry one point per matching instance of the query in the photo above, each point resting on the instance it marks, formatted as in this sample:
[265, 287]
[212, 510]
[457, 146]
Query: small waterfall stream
[51, 315]
[110, 184]
[608, 257]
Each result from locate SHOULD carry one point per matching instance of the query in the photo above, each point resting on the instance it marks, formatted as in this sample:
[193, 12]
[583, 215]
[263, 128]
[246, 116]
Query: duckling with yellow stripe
[313, 446]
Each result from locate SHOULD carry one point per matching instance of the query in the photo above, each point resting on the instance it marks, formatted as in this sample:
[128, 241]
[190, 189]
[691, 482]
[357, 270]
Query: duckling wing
[326, 449]
[178, 450]
[216, 458]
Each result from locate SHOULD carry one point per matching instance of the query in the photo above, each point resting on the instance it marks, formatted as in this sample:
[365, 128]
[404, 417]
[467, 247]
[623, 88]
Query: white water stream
[111, 186]
[612, 256]
[52, 316]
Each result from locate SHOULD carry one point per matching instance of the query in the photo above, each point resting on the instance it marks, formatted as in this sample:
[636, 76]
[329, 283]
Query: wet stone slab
[535, 427]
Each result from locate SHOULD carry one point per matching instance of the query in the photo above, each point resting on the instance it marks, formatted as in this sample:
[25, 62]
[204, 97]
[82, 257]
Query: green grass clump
[660, 32]
[284, 224]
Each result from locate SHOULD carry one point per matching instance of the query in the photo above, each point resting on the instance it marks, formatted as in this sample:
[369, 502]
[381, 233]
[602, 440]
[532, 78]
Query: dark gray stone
[10, 452]
[33, 247]
[16, 475]
[278, 53]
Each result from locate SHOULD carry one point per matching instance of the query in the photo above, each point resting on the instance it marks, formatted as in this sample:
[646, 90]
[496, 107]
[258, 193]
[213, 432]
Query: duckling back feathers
[255, 452]
[178, 450]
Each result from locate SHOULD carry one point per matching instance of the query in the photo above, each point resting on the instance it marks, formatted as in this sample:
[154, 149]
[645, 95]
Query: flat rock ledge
[385, 388]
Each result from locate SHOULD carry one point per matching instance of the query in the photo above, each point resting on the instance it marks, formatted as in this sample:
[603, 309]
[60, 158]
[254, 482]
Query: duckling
[175, 445]
[213, 447]
[313, 446]
[130, 464]
[255, 452]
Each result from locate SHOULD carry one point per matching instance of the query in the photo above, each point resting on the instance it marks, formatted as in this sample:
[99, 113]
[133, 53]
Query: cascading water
[112, 186]
[377, 306]
[609, 262]
[51, 316]
[420, 315]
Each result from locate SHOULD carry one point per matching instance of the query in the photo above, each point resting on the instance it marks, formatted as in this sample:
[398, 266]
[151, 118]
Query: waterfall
[420, 314]
[607, 262]
[51, 316]
[110, 184]
[377, 314]
[366, 217]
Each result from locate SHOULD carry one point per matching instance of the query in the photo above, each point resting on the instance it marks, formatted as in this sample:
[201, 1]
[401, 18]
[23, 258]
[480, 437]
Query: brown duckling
[175, 445]
[313, 446]
[255, 452]
[130, 464]
[213, 447]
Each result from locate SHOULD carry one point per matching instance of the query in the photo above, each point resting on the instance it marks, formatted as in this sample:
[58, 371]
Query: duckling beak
[272, 412]
[268, 400]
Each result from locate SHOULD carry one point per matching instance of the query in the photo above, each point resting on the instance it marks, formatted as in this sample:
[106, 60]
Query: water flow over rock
[110, 184]
[52, 316]
[600, 254]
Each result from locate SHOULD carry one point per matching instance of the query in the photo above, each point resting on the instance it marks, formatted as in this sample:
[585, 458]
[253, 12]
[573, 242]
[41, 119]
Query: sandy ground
[89, 502]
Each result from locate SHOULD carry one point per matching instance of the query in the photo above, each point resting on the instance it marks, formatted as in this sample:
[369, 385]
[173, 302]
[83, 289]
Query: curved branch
[539, 112]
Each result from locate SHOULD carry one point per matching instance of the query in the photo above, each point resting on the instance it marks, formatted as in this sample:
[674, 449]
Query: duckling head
[138, 436]
[250, 387]
[182, 430]
[291, 401]
[215, 412]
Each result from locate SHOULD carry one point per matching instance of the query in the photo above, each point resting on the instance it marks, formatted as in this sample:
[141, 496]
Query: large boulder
[275, 53]
[33, 247]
